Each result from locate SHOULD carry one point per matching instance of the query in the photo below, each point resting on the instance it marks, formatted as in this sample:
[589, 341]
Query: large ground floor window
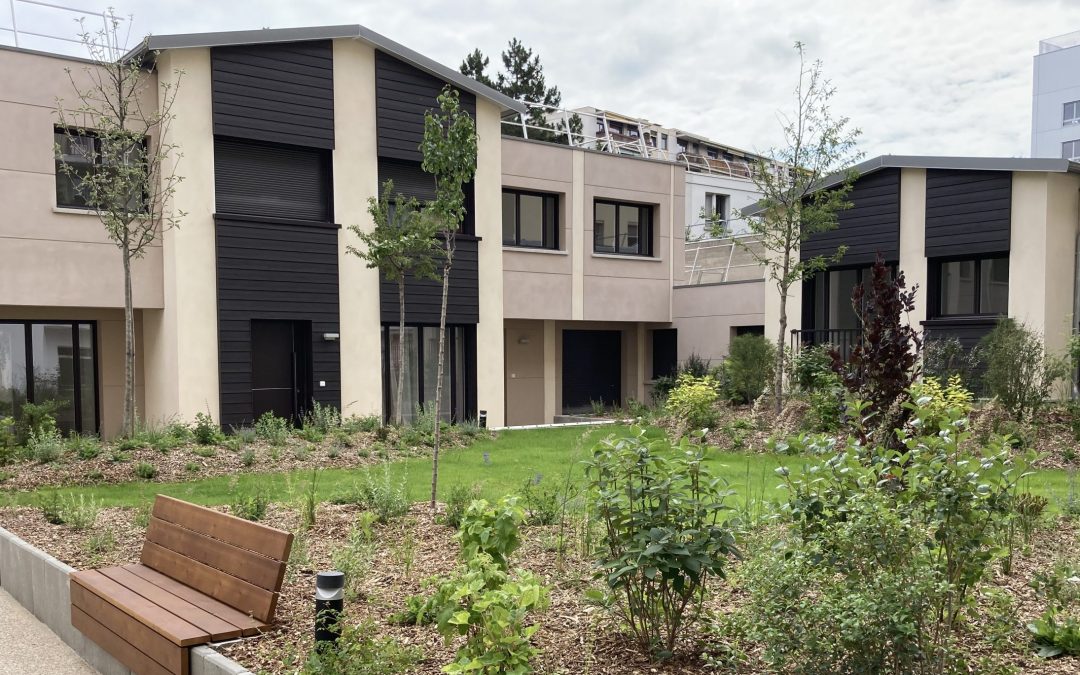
[421, 370]
[54, 361]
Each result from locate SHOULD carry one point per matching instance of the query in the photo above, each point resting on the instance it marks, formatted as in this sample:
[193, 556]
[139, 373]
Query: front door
[591, 369]
[278, 368]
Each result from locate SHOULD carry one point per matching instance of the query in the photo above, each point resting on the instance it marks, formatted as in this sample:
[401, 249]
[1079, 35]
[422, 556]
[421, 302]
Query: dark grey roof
[1050, 165]
[270, 35]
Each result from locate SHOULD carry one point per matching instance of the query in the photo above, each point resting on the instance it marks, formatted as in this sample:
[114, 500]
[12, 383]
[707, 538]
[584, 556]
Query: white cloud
[917, 76]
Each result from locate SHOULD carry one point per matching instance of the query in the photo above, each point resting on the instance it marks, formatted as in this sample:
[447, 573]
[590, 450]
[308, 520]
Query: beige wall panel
[706, 315]
[913, 239]
[627, 299]
[490, 383]
[356, 178]
[1027, 255]
[516, 260]
[1062, 214]
[536, 296]
[525, 369]
[535, 160]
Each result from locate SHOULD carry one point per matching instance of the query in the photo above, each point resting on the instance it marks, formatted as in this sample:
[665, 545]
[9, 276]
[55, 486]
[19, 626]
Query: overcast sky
[935, 77]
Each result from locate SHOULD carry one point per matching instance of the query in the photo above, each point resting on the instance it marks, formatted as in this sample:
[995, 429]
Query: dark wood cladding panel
[871, 225]
[275, 92]
[967, 212]
[411, 180]
[423, 297]
[402, 95]
[274, 271]
[270, 180]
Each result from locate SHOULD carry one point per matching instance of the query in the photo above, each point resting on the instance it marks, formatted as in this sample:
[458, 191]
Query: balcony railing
[842, 340]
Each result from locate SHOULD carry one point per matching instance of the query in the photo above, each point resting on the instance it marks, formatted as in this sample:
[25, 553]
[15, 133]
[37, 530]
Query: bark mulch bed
[575, 636]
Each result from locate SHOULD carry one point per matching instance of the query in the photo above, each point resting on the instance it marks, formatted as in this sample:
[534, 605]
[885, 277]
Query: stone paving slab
[30, 647]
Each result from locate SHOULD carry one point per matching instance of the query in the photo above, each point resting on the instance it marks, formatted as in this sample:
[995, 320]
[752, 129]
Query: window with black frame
[622, 228]
[421, 371]
[972, 286]
[81, 153]
[52, 362]
[530, 219]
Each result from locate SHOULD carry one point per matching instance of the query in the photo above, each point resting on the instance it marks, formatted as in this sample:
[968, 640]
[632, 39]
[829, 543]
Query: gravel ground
[28, 646]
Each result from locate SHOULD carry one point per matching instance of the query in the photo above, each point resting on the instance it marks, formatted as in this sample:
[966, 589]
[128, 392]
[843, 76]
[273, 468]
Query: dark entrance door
[592, 369]
[280, 368]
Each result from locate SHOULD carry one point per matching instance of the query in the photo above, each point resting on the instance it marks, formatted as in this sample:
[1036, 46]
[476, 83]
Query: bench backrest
[233, 560]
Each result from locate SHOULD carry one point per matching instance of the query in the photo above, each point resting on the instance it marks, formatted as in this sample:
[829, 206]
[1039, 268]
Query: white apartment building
[1055, 99]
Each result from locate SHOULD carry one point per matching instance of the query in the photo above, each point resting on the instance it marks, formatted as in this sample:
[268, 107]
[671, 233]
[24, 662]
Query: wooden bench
[204, 577]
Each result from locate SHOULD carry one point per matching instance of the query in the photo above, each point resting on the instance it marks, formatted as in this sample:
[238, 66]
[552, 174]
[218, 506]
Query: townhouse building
[563, 290]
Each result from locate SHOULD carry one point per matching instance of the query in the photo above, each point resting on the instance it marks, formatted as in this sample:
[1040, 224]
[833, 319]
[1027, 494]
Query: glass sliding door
[421, 371]
[411, 395]
[54, 362]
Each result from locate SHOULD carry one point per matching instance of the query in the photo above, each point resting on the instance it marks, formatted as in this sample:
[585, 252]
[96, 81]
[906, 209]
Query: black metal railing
[841, 339]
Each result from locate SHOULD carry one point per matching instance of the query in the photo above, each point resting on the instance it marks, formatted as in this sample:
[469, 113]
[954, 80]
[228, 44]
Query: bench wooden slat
[246, 597]
[219, 609]
[166, 623]
[151, 643]
[120, 649]
[269, 541]
[216, 627]
[252, 567]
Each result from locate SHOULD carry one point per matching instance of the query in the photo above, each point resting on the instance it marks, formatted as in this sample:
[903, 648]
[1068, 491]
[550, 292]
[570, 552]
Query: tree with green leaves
[804, 186]
[117, 154]
[523, 79]
[449, 150]
[401, 243]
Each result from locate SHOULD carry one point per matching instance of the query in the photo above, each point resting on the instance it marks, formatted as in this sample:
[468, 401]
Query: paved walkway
[28, 646]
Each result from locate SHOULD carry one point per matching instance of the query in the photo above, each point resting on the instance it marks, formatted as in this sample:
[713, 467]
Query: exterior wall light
[331, 337]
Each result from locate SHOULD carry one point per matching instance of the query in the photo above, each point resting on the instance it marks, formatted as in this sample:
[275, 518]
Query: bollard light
[482, 419]
[329, 601]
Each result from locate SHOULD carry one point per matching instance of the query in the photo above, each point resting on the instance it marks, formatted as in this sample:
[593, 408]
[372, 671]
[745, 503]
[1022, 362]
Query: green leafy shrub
[35, 418]
[1019, 372]
[204, 451]
[79, 512]
[251, 505]
[693, 400]
[542, 504]
[457, 501]
[695, 366]
[1055, 635]
[383, 494]
[205, 431]
[272, 429]
[367, 423]
[45, 445]
[52, 508]
[310, 434]
[825, 411]
[946, 357]
[661, 510]
[491, 529]
[246, 435]
[661, 389]
[362, 651]
[354, 558]
[8, 444]
[322, 418]
[248, 458]
[809, 364]
[749, 367]
[145, 470]
[84, 447]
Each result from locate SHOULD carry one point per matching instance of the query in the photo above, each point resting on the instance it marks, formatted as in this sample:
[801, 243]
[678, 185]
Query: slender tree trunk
[778, 377]
[439, 373]
[399, 416]
[129, 349]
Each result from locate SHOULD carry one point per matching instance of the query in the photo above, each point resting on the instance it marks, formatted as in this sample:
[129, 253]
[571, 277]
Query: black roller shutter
[269, 180]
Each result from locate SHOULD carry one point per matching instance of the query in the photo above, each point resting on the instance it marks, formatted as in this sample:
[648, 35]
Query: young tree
[523, 79]
[119, 128]
[793, 205]
[402, 243]
[449, 149]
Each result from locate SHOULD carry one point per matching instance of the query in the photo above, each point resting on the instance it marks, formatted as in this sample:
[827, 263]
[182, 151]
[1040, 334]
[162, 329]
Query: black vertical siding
[967, 212]
[423, 297]
[411, 180]
[402, 95]
[275, 92]
[871, 225]
[277, 181]
[275, 271]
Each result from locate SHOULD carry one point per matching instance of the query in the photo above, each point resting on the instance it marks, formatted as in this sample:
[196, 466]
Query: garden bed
[575, 636]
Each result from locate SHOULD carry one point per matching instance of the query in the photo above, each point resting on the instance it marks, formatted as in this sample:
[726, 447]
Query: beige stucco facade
[707, 315]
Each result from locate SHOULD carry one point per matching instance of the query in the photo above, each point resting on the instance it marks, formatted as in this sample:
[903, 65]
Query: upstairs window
[530, 219]
[82, 153]
[974, 286]
[1070, 150]
[623, 228]
[1071, 114]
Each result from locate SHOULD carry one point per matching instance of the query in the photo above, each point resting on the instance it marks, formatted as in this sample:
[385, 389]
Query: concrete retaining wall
[39, 582]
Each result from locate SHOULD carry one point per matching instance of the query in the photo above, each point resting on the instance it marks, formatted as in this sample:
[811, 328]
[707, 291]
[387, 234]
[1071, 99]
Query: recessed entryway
[591, 369]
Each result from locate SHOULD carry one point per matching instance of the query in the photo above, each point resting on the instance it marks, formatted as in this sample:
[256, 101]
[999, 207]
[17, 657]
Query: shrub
[354, 558]
[35, 418]
[884, 363]
[694, 366]
[542, 505]
[206, 431]
[809, 363]
[362, 651]
[661, 510]
[45, 445]
[1019, 372]
[749, 367]
[145, 470]
[946, 357]
[693, 401]
[386, 497]
[101, 542]
[251, 505]
[825, 400]
[204, 451]
[661, 389]
[7, 440]
[457, 501]
[248, 458]
[937, 402]
[272, 429]
[52, 508]
[79, 513]
[245, 434]
[367, 423]
[491, 529]
[1055, 636]
[322, 418]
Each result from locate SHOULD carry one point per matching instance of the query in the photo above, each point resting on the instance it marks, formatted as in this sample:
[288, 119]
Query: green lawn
[555, 454]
